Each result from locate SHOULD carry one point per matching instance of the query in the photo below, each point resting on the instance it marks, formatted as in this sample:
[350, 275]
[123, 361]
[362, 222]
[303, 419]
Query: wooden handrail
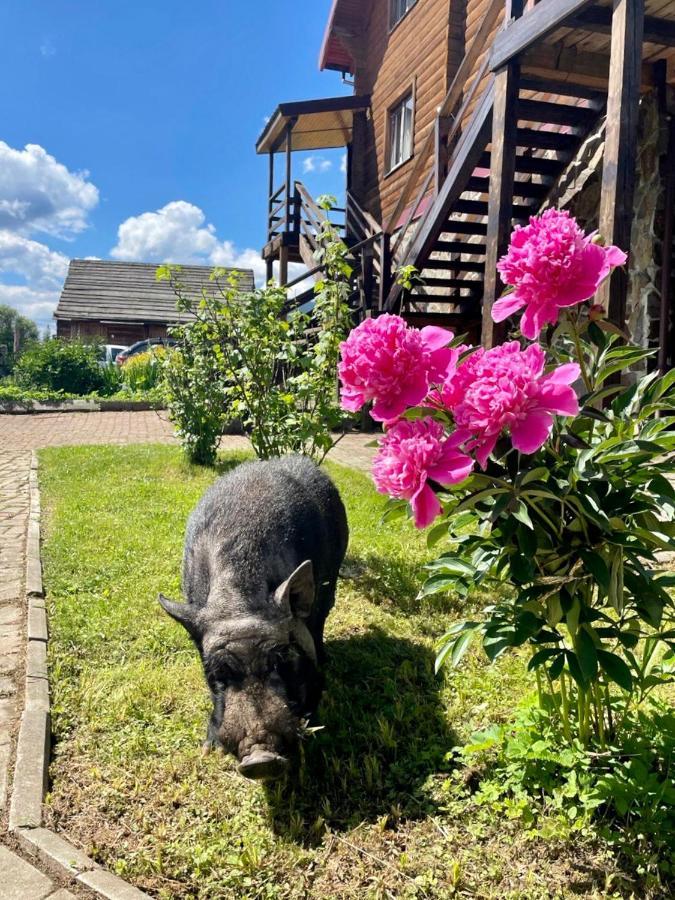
[531, 27]
[455, 91]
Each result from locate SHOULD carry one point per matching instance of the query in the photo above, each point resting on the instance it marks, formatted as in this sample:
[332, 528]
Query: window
[398, 9]
[401, 132]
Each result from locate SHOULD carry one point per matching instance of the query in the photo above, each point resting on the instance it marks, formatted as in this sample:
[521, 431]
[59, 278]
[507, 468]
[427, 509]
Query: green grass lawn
[375, 812]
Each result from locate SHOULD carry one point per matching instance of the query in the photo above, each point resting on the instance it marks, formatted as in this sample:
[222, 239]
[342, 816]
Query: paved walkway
[20, 879]
[31, 432]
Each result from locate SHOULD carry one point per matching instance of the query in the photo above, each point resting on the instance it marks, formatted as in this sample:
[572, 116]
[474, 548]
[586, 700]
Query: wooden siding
[421, 52]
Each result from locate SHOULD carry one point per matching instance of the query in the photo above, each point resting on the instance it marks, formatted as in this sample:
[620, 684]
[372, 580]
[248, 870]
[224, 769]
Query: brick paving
[19, 434]
[31, 432]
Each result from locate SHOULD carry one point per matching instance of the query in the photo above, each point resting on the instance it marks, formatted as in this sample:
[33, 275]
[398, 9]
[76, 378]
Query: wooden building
[468, 116]
[122, 302]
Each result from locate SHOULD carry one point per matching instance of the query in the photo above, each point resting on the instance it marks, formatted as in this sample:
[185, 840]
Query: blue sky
[143, 115]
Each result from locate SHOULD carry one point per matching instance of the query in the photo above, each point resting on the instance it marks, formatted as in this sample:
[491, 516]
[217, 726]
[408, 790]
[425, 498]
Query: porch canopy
[312, 124]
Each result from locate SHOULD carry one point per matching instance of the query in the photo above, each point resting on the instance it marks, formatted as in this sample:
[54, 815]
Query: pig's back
[259, 522]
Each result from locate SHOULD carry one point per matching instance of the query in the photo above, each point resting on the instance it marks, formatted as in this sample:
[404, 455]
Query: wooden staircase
[449, 247]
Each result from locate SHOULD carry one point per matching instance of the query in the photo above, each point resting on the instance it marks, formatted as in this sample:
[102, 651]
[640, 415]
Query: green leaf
[575, 669]
[597, 566]
[586, 654]
[436, 584]
[523, 515]
[615, 669]
[541, 473]
[556, 666]
[541, 656]
[452, 565]
[437, 533]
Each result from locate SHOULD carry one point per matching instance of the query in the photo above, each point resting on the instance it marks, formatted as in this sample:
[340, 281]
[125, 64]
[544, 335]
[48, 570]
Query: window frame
[399, 104]
[393, 4]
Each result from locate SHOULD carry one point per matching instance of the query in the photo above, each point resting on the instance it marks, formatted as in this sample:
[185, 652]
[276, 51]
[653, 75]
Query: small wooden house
[122, 302]
[468, 116]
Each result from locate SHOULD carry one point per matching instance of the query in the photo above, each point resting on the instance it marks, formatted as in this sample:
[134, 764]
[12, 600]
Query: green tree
[11, 320]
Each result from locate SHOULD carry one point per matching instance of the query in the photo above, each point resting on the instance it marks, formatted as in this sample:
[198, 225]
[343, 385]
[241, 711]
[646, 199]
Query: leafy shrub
[57, 365]
[274, 371]
[111, 379]
[194, 394]
[529, 767]
[144, 370]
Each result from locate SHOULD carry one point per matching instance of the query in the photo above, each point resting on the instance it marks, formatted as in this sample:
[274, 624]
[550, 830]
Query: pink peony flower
[385, 361]
[505, 389]
[551, 264]
[410, 454]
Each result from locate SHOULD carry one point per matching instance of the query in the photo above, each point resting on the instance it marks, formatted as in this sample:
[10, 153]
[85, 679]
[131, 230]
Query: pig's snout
[263, 765]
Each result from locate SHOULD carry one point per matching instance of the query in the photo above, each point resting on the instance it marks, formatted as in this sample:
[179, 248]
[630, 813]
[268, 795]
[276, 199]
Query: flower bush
[546, 473]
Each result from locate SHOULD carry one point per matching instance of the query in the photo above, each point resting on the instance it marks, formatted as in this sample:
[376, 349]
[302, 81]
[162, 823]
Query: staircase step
[532, 165]
[520, 189]
[453, 226]
[467, 306]
[555, 113]
[453, 265]
[563, 88]
[480, 208]
[457, 283]
[546, 140]
[459, 247]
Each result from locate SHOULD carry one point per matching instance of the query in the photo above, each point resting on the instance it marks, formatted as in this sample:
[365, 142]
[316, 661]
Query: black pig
[262, 553]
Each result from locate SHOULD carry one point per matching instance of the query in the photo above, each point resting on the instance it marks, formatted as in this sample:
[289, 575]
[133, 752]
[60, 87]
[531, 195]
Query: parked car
[109, 353]
[142, 347]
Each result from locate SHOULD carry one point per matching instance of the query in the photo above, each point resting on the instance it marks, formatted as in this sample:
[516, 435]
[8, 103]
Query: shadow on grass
[397, 581]
[383, 735]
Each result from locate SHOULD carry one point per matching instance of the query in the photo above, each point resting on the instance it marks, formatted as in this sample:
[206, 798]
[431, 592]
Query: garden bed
[378, 811]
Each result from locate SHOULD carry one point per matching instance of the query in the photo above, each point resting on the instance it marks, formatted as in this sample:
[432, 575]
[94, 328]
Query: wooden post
[502, 176]
[442, 154]
[283, 264]
[385, 269]
[289, 184]
[619, 160]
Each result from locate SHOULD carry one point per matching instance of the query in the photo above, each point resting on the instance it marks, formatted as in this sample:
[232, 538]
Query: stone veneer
[579, 191]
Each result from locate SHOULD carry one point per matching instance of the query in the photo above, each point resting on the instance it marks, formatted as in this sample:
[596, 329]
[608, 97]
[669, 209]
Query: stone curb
[51, 850]
[31, 407]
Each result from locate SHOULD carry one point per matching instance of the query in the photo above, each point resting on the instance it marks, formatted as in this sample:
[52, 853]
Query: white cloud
[47, 48]
[179, 233]
[39, 194]
[343, 164]
[316, 164]
[31, 260]
[37, 305]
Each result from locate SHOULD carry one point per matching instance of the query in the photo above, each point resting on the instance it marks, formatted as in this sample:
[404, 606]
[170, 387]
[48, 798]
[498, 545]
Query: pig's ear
[181, 612]
[297, 592]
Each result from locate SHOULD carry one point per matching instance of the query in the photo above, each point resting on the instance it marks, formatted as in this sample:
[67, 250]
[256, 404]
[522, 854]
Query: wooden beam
[502, 176]
[599, 19]
[620, 154]
[552, 61]
[531, 27]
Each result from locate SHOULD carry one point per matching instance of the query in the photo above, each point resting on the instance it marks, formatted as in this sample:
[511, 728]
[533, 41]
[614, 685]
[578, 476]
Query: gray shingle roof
[105, 290]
